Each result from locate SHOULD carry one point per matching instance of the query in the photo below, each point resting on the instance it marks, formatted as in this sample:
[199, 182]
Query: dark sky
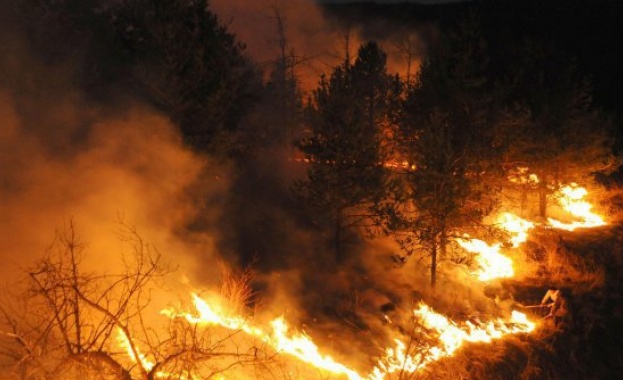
[388, 1]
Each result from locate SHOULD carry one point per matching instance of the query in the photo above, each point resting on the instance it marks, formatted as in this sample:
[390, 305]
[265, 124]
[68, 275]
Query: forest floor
[586, 265]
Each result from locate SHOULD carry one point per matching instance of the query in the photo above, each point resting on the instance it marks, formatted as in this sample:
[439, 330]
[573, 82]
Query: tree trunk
[339, 256]
[543, 198]
[523, 202]
[433, 263]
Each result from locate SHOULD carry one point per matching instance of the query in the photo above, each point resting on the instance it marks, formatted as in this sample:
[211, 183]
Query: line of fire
[311, 189]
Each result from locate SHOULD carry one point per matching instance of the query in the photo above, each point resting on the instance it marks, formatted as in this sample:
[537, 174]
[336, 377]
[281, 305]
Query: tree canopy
[348, 116]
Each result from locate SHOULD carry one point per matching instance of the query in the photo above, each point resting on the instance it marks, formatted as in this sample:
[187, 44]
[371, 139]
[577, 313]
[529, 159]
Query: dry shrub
[558, 262]
[515, 357]
[236, 289]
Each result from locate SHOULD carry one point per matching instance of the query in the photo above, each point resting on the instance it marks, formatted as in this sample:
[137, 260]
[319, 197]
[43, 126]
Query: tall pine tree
[563, 137]
[348, 117]
[447, 134]
[187, 64]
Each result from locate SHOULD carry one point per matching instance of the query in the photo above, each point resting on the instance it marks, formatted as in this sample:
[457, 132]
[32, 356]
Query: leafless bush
[67, 323]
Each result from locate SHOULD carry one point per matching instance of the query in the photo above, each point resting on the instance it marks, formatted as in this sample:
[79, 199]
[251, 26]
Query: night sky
[388, 1]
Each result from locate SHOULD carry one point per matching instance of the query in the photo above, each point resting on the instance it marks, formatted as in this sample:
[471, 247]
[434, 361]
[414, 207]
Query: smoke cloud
[66, 154]
[99, 164]
[317, 41]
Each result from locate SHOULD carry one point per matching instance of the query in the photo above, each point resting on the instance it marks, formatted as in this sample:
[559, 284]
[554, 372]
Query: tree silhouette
[69, 322]
[447, 134]
[186, 64]
[349, 114]
[562, 138]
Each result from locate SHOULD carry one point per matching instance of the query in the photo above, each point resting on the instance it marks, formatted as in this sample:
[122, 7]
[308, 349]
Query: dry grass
[561, 260]
[236, 289]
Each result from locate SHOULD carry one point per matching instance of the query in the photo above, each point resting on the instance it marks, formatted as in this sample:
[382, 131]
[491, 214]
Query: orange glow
[298, 345]
[450, 336]
[571, 199]
[521, 176]
[492, 264]
[516, 226]
[124, 342]
[147, 364]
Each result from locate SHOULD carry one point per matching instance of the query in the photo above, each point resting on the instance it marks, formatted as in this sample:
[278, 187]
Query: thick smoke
[318, 42]
[97, 164]
[66, 156]
[264, 227]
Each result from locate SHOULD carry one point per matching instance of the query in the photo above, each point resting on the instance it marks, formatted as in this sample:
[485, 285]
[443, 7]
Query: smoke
[67, 154]
[264, 226]
[65, 157]
[317, 41]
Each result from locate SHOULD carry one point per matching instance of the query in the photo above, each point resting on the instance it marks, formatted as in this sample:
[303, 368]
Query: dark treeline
[586, 30]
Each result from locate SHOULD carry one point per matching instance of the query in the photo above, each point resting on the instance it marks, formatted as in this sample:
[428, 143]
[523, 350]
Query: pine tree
[563, 137]
[447, 133]
[186, 64]
[348, 116]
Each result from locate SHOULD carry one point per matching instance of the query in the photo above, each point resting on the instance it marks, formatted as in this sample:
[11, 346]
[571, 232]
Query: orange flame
[148, 365]
[571, 199]
[520, 176]
[450, 335]
[492, 263]
[298, 345]
[516, 226]
[124, 342]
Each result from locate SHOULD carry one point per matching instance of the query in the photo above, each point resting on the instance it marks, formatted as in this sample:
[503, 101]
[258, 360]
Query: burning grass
[97, 324]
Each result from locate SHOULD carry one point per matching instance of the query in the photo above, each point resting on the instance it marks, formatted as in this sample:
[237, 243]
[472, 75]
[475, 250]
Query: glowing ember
[516, 226]
[571, 199]
[521, 176]
[492, 263]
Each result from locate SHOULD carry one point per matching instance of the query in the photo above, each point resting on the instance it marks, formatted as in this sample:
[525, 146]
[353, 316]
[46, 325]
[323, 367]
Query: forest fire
[516, 226]
[441, 337]
[448, 335]
[308, 189]
[571, 198]
[492, 264]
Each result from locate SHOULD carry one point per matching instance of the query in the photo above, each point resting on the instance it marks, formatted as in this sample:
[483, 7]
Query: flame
[298, 345]
[492, 263]
[450, 336]
[148, 365]
[124, 342]
[516, 226]
[571, 199]
[520, 176]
